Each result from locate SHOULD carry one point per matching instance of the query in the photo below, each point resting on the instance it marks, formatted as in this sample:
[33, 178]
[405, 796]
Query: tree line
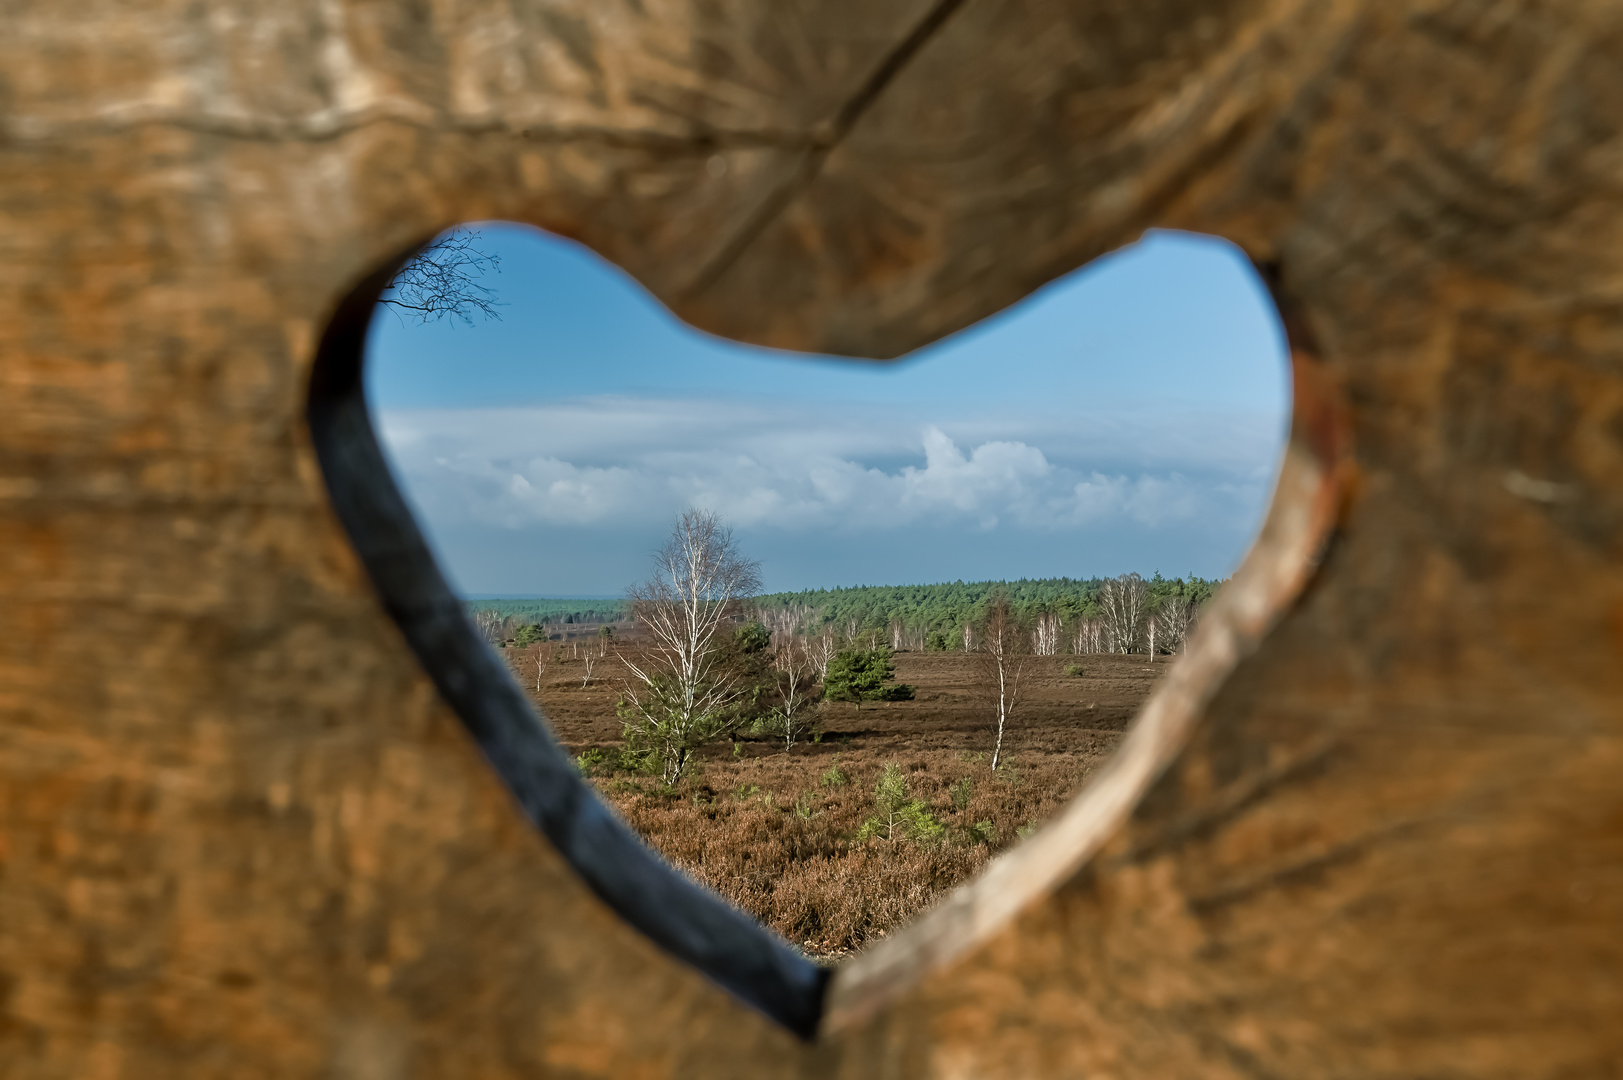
[908, 616]
[1123, 614]
[557, 612]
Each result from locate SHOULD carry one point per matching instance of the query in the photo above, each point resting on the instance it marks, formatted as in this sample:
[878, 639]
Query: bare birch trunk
[1003, 642]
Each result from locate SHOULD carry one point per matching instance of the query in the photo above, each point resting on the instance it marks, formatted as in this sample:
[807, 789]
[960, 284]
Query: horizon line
[487, 596]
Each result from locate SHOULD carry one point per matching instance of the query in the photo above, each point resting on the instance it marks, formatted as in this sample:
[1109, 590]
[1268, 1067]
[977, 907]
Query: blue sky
[1129, 416]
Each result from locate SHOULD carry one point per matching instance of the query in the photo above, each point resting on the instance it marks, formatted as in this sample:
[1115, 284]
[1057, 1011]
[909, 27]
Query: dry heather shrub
[765, 830]
[767, 835]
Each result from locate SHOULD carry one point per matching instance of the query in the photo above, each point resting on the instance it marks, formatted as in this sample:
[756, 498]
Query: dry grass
[777, 833]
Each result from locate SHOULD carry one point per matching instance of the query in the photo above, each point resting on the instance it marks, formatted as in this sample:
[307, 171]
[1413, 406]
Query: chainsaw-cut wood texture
[1372, 827]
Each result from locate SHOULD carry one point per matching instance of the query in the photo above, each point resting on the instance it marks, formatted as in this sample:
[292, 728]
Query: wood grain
[1381, 834]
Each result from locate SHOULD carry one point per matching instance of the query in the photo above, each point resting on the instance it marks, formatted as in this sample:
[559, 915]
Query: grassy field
[782, 834]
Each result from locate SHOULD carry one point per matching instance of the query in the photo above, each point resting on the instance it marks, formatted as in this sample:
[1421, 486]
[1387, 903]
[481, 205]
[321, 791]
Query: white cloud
[1147, 500]
[992, 472]
[630, 464]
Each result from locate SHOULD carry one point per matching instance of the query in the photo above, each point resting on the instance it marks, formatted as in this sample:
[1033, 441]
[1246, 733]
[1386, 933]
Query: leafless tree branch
[441, 281]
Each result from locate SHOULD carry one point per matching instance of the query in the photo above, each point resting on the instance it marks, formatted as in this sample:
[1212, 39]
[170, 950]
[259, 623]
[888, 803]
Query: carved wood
[1375, 825]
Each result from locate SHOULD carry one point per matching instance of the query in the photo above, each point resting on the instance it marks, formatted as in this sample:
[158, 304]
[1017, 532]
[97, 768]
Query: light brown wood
[1374, 830]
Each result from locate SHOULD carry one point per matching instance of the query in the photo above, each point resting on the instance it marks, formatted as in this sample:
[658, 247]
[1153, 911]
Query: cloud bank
[577, 480]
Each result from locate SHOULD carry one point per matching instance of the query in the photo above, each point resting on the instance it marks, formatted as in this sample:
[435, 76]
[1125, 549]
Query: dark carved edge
[683, 918]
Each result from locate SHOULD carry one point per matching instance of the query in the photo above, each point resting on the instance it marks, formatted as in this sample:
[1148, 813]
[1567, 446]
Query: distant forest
[950, 605]
[555, 611]
[943, 607]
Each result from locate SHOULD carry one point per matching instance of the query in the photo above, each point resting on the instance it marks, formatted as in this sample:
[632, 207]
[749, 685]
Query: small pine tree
[858, 675]
[899, 818]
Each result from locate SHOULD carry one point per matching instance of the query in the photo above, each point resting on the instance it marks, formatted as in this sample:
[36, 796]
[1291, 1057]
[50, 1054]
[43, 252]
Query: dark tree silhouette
[442, 280]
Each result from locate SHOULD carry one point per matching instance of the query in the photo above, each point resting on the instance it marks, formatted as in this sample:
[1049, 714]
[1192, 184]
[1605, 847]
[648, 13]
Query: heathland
[879, 810]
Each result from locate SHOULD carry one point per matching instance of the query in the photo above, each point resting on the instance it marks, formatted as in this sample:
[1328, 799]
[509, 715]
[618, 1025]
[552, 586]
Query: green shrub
[752, 637]
[858, 675]
[633, 760]
[662, 731]
[899, 818]
[600, 762]
[962, 792]
[920, 825]
[595, 760]
[983, 832]
[1074, 670]
[834, 778]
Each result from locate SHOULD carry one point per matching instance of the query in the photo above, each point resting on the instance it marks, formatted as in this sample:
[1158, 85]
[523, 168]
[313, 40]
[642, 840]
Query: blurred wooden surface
[239, 834]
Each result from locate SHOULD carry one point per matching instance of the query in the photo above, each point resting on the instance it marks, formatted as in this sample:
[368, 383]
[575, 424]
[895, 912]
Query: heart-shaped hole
[1125, 418]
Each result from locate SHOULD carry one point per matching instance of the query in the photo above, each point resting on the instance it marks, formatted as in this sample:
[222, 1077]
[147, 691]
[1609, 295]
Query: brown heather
[776, 834]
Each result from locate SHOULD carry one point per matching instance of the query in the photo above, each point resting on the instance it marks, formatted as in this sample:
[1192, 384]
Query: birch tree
[1125, 603]
[1002, 662]
[1172, 620]
[681, 693]
[823, 651]
[489, 626]
[787, 621]
[1045, 637]
[1090, 635]
[798, 681]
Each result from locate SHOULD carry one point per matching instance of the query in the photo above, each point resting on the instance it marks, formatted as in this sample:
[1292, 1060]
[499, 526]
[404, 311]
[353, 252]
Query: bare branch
[441, 280]
[798, 685]
[1125, 601]
[1172, 620]
[489, 626]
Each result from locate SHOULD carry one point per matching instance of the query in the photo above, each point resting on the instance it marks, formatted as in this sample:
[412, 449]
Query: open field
[776, 832]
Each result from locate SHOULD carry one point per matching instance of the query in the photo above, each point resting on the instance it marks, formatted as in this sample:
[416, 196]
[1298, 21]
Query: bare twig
[441, 280]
